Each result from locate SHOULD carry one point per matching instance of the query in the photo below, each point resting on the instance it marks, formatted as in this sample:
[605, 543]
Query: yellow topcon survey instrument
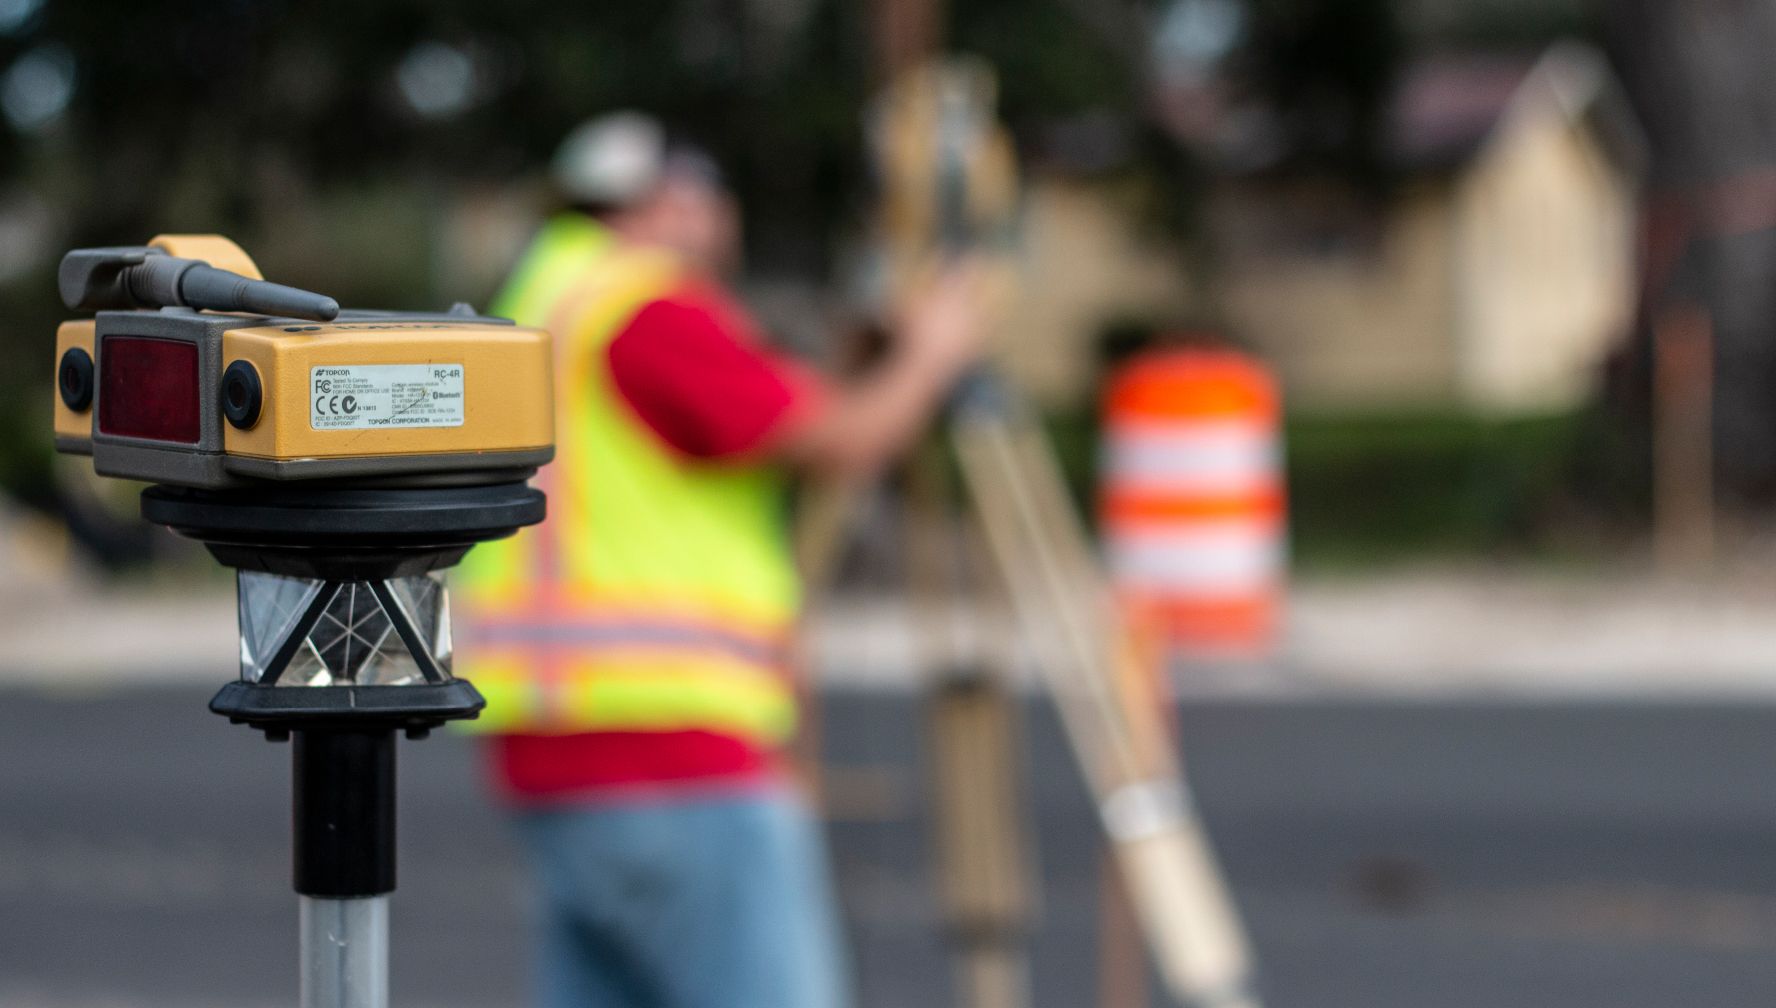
[204, 375]
[339, 461]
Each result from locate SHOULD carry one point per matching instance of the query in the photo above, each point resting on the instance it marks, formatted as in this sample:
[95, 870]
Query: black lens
[242, 394]
[74, 379]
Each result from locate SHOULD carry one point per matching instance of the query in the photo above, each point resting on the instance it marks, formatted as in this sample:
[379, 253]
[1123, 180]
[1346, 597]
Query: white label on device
[369, 396]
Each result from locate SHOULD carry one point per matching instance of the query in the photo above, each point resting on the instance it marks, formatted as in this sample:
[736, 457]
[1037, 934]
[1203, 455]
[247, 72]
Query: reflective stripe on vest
[659, 594]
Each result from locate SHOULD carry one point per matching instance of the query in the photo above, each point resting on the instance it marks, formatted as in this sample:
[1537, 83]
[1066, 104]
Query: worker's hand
[945, 321]
[937, 331]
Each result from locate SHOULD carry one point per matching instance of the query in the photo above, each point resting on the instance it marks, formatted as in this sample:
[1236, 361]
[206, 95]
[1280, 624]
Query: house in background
[1086, 264]
[1495, 278]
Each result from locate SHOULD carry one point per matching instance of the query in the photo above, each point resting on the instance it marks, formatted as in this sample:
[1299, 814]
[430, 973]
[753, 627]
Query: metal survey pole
[345, 952]
[343, 804]
[345, 641]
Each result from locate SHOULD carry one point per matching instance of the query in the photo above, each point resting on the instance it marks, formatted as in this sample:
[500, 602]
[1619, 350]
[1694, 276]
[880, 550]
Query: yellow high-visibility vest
[660, 594]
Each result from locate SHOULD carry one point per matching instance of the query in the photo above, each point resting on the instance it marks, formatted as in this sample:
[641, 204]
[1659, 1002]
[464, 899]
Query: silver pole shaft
[345, 952]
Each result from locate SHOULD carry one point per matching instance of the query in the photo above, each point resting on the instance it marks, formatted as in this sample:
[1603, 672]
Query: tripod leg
[824, 512]
[1122, 969]
[980, 839]
[972, 719]
[1180, 897]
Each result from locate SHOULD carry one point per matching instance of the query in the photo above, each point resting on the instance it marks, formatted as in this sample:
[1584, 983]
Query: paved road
[1388, 855]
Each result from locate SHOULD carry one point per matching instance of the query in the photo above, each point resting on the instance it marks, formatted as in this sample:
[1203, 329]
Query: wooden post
[906, 33]
[1683, 440]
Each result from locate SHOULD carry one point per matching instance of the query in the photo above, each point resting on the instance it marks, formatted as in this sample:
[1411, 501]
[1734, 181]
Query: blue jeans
[716, 901]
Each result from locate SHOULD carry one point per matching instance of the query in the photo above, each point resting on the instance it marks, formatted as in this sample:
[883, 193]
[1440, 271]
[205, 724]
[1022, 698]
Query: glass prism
[347, 634]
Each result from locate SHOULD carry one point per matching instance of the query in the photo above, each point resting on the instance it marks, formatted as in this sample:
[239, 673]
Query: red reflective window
[148, 388]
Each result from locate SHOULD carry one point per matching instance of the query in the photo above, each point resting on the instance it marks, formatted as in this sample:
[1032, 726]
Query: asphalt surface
[1387, 854]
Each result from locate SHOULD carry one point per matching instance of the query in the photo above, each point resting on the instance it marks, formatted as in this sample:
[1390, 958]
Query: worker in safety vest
[632, 648]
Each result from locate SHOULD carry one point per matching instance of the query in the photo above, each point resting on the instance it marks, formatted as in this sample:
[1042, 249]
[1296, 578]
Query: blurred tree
[1702, 81]
[1523, 24]
[1327, 68]
[330, 137]
[248, 116]
[255, 118]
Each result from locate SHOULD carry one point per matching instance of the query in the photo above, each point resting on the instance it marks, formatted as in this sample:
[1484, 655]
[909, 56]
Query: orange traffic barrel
[1191, 498]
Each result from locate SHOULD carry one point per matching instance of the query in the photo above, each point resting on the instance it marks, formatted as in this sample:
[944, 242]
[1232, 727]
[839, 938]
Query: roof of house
[1447, 105]
[1444, 108]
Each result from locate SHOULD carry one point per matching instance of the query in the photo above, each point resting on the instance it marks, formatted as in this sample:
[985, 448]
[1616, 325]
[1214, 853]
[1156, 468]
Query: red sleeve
[690, 367]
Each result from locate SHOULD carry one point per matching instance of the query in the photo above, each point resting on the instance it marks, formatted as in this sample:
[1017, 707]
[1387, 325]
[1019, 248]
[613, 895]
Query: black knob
[74, 379]
[242, 395]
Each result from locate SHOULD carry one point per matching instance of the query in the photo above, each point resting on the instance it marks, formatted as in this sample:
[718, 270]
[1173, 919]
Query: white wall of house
[1349, 323]
[1545, 275]
[1498, 287]
[1086, 263]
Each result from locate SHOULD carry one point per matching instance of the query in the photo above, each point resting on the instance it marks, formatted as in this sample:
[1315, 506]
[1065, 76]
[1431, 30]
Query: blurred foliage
[1051, 64]
[1329, 67]
[284, 125]
[1500, 23]
[1367, 489]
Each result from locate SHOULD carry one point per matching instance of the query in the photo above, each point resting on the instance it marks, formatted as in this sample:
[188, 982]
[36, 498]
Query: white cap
[611, 160]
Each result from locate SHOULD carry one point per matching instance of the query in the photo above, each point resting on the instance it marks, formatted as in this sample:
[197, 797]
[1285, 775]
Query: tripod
[1091, 666]
[949, 190]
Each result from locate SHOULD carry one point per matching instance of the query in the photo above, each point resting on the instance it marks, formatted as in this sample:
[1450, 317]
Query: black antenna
[126, 277]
